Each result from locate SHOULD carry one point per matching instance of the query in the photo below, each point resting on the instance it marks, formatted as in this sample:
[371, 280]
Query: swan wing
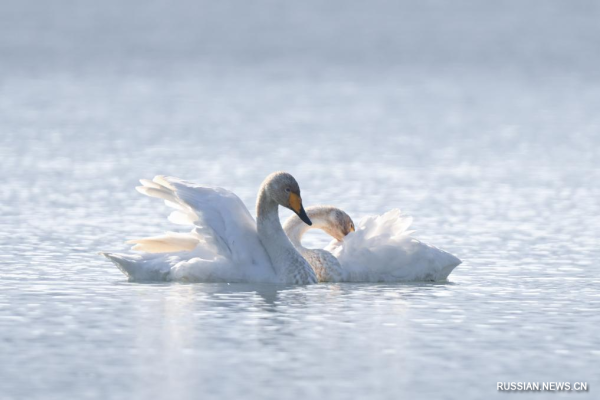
[382, 250]
[221, 220]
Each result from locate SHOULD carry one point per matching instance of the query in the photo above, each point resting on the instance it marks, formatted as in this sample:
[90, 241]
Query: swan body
[225, 244]
[379, 249]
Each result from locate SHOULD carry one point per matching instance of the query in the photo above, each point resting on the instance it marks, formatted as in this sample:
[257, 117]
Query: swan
[225, 245]
[378, 249]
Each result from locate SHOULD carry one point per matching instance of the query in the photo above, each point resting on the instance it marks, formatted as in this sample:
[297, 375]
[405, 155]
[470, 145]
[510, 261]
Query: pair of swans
[227, 245]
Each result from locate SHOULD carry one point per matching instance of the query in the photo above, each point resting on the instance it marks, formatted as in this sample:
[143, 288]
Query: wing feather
[382, 250]
[214, 211]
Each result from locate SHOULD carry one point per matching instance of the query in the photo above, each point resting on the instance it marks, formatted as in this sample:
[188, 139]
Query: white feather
[150, 184]
[382, 250]
[223, 246]
[169, 242]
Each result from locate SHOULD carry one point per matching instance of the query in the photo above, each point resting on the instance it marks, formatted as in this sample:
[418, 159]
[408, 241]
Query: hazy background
[478, 118]
[177, 36]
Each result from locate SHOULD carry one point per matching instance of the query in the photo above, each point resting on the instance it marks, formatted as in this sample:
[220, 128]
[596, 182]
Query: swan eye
[287, 190]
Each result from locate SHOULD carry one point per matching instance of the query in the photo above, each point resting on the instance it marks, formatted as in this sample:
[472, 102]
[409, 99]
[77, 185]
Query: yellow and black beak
[296, 206]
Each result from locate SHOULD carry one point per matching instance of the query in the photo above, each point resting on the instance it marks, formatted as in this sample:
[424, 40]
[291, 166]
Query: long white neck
[326, 266]
[294, 228]
[290, 266]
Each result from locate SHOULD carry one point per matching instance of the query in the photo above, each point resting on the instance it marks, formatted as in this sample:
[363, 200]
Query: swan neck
[271, 234]
[295, 228]
[267, 211]
[287, 262]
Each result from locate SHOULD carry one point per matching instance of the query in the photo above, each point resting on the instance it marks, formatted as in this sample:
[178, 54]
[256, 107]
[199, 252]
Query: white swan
[226, 245]
[379, 250]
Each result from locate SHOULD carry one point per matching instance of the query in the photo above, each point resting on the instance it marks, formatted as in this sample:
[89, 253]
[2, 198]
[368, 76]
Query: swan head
[332, 220]
[282, 188]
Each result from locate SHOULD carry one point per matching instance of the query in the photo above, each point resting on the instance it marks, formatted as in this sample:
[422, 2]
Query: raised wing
[218, 215]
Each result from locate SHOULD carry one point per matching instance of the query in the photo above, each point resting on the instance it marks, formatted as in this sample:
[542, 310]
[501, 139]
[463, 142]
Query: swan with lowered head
[379, 249]
[225, 245]
[335, 223]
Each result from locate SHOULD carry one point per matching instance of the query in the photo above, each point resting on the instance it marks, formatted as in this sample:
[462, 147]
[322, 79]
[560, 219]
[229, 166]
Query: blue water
[478, 119]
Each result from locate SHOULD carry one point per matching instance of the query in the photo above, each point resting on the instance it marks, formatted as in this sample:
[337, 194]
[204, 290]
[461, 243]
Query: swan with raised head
[378, 249]
[225, 245]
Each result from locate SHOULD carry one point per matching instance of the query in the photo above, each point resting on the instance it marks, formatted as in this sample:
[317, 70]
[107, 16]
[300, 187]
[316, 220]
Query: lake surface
[480, 121]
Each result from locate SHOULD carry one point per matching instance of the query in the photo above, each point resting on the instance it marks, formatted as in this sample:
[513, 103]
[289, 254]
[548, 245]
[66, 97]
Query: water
[480, 120]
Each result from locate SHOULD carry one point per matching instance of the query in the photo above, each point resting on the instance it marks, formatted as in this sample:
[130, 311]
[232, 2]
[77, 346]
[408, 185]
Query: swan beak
[304, 217]
[296, 206]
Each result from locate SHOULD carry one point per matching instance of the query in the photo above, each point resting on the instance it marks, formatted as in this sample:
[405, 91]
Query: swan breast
[326, 266]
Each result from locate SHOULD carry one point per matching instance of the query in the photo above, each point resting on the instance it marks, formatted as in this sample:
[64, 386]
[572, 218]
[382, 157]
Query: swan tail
[446, 262]
[139, 267]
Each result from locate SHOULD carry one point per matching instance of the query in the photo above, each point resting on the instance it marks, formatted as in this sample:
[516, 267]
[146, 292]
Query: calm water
[479, 120]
